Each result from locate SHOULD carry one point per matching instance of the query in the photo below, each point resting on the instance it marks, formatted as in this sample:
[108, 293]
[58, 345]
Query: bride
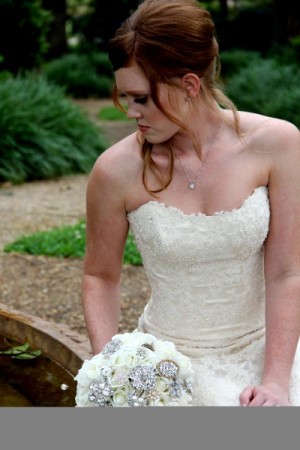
[212, 197]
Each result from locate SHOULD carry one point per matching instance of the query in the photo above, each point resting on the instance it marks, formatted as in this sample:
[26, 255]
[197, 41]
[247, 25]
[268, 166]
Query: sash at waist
[196, 347]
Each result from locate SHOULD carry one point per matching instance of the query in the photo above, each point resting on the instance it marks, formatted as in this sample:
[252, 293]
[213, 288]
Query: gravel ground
[50, 288]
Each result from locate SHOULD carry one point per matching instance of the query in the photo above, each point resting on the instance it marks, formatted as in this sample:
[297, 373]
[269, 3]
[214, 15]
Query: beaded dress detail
[208, 294]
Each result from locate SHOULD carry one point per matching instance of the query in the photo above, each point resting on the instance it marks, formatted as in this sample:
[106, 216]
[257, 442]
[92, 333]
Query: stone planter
[57, 342]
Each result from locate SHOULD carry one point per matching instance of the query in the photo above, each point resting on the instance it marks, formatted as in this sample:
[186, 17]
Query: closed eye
[141, 100]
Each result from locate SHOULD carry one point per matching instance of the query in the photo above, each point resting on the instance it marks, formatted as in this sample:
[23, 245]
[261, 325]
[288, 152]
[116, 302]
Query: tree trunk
[224, 9]
[287, 20]
[57, 38]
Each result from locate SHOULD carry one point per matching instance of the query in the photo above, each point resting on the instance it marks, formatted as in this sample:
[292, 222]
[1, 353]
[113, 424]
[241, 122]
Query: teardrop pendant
[192, 185]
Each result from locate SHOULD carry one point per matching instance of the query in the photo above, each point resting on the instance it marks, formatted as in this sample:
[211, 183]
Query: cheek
[164, 131]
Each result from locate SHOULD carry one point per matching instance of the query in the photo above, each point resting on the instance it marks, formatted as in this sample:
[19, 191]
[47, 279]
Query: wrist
[283, 384]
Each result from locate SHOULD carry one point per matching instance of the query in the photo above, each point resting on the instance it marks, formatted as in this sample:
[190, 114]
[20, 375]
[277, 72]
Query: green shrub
[66, 241]
[232, 61]
[286, 54]
[82, 76]
[267, 88]
[42, 133]
[100, 61]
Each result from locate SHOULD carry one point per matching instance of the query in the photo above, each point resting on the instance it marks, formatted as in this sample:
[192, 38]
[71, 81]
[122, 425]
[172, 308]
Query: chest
[219, 185]
[172, 236]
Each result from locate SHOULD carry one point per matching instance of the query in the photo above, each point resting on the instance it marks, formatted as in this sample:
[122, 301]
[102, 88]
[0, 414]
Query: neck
[201, 134]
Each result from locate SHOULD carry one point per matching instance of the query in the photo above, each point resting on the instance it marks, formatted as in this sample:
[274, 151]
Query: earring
[187, 97]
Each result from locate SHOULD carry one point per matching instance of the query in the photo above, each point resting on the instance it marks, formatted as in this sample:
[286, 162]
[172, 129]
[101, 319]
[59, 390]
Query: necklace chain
[192, 182]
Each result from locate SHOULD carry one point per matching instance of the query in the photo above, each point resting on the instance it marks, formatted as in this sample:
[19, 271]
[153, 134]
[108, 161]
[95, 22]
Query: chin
[158, 139]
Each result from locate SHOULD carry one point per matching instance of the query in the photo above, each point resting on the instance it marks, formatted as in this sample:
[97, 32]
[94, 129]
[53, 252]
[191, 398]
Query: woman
[212, 198]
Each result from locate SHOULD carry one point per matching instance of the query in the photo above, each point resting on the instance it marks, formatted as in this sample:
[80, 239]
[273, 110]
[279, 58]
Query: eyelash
[140, 100]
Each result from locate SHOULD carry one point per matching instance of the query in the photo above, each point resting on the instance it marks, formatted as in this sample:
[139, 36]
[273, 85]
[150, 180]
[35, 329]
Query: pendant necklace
[192, 183]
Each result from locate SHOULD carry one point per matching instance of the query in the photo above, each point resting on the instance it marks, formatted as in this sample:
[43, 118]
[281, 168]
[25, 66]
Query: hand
[266, 394]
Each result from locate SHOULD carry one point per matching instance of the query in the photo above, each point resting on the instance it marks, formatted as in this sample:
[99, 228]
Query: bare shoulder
[118, 164]
[271, 135]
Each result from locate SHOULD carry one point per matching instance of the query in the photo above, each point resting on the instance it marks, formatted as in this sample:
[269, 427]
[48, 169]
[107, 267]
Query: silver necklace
[192, 183]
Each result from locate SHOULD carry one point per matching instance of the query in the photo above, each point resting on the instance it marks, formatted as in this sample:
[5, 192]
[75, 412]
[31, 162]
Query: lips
[143, 128]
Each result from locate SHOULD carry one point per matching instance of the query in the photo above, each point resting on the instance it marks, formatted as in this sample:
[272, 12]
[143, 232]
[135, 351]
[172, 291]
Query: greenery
[23, 34]
[112, 113]
[82, 75]
[42, 133]
[267, 88]
[21, 352]
[232, 61]
[66, 241]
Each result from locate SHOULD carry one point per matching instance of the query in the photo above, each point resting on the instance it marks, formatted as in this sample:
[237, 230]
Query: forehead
[131, 79]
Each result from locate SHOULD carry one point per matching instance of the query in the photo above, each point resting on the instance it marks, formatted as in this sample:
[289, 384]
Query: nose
[132, 113]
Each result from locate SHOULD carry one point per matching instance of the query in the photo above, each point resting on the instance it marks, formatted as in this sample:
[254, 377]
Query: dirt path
[50, 288]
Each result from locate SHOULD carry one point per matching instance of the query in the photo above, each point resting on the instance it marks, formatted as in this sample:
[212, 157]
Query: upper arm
[107, 225]
[282, 249]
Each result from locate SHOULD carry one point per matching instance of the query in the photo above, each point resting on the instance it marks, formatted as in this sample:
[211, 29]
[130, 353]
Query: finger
[258, 399]
[246, 396]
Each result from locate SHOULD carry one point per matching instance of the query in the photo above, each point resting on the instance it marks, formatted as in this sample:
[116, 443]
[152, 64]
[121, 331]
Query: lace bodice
[201, 269]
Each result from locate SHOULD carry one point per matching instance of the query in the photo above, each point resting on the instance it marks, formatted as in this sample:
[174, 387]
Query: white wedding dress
[208, 293]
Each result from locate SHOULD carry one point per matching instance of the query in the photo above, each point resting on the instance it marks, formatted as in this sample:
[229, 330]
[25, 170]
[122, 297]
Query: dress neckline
[199, 214]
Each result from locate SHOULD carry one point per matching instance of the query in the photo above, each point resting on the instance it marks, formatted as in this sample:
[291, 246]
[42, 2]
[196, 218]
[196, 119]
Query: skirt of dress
[222, 373]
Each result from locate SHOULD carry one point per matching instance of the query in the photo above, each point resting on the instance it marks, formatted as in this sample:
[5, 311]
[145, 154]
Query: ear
[191, 83]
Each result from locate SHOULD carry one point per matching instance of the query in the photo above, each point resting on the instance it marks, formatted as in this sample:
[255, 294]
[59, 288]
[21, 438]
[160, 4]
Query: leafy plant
[267, 88]
[21, 352]
[232, 61]
[42, 133]
[82, 75]
[66, 241]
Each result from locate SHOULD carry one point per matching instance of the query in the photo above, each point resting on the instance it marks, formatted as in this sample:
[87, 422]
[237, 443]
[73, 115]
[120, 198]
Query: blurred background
[53, 55]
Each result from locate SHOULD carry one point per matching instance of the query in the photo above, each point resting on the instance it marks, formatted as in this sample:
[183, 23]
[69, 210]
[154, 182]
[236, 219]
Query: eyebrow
[133, 92]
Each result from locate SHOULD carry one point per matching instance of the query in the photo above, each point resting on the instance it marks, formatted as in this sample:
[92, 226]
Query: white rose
[165, 346]
[161, 385]
[185, 369]
[86, 374]
[119, 398]
[92, 371]
[158, 402]
[81, 398]
[137, 338]
[123, 359]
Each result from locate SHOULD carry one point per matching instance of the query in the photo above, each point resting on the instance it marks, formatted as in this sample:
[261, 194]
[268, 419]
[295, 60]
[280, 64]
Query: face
[155, 126]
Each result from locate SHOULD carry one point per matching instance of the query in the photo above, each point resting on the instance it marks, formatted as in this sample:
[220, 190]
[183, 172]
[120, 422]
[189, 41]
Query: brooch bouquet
[135, 369]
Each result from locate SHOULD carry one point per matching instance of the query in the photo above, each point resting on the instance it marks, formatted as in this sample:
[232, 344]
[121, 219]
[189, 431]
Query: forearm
[282, 329]
[101, 307]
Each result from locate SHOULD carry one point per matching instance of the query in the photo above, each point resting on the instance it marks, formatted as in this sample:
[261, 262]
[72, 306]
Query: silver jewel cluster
[100, 392]
[167, 369]
[111, 348]
[143, 378]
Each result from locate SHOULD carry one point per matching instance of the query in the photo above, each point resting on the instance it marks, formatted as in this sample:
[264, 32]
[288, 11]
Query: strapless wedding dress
[208, 292]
